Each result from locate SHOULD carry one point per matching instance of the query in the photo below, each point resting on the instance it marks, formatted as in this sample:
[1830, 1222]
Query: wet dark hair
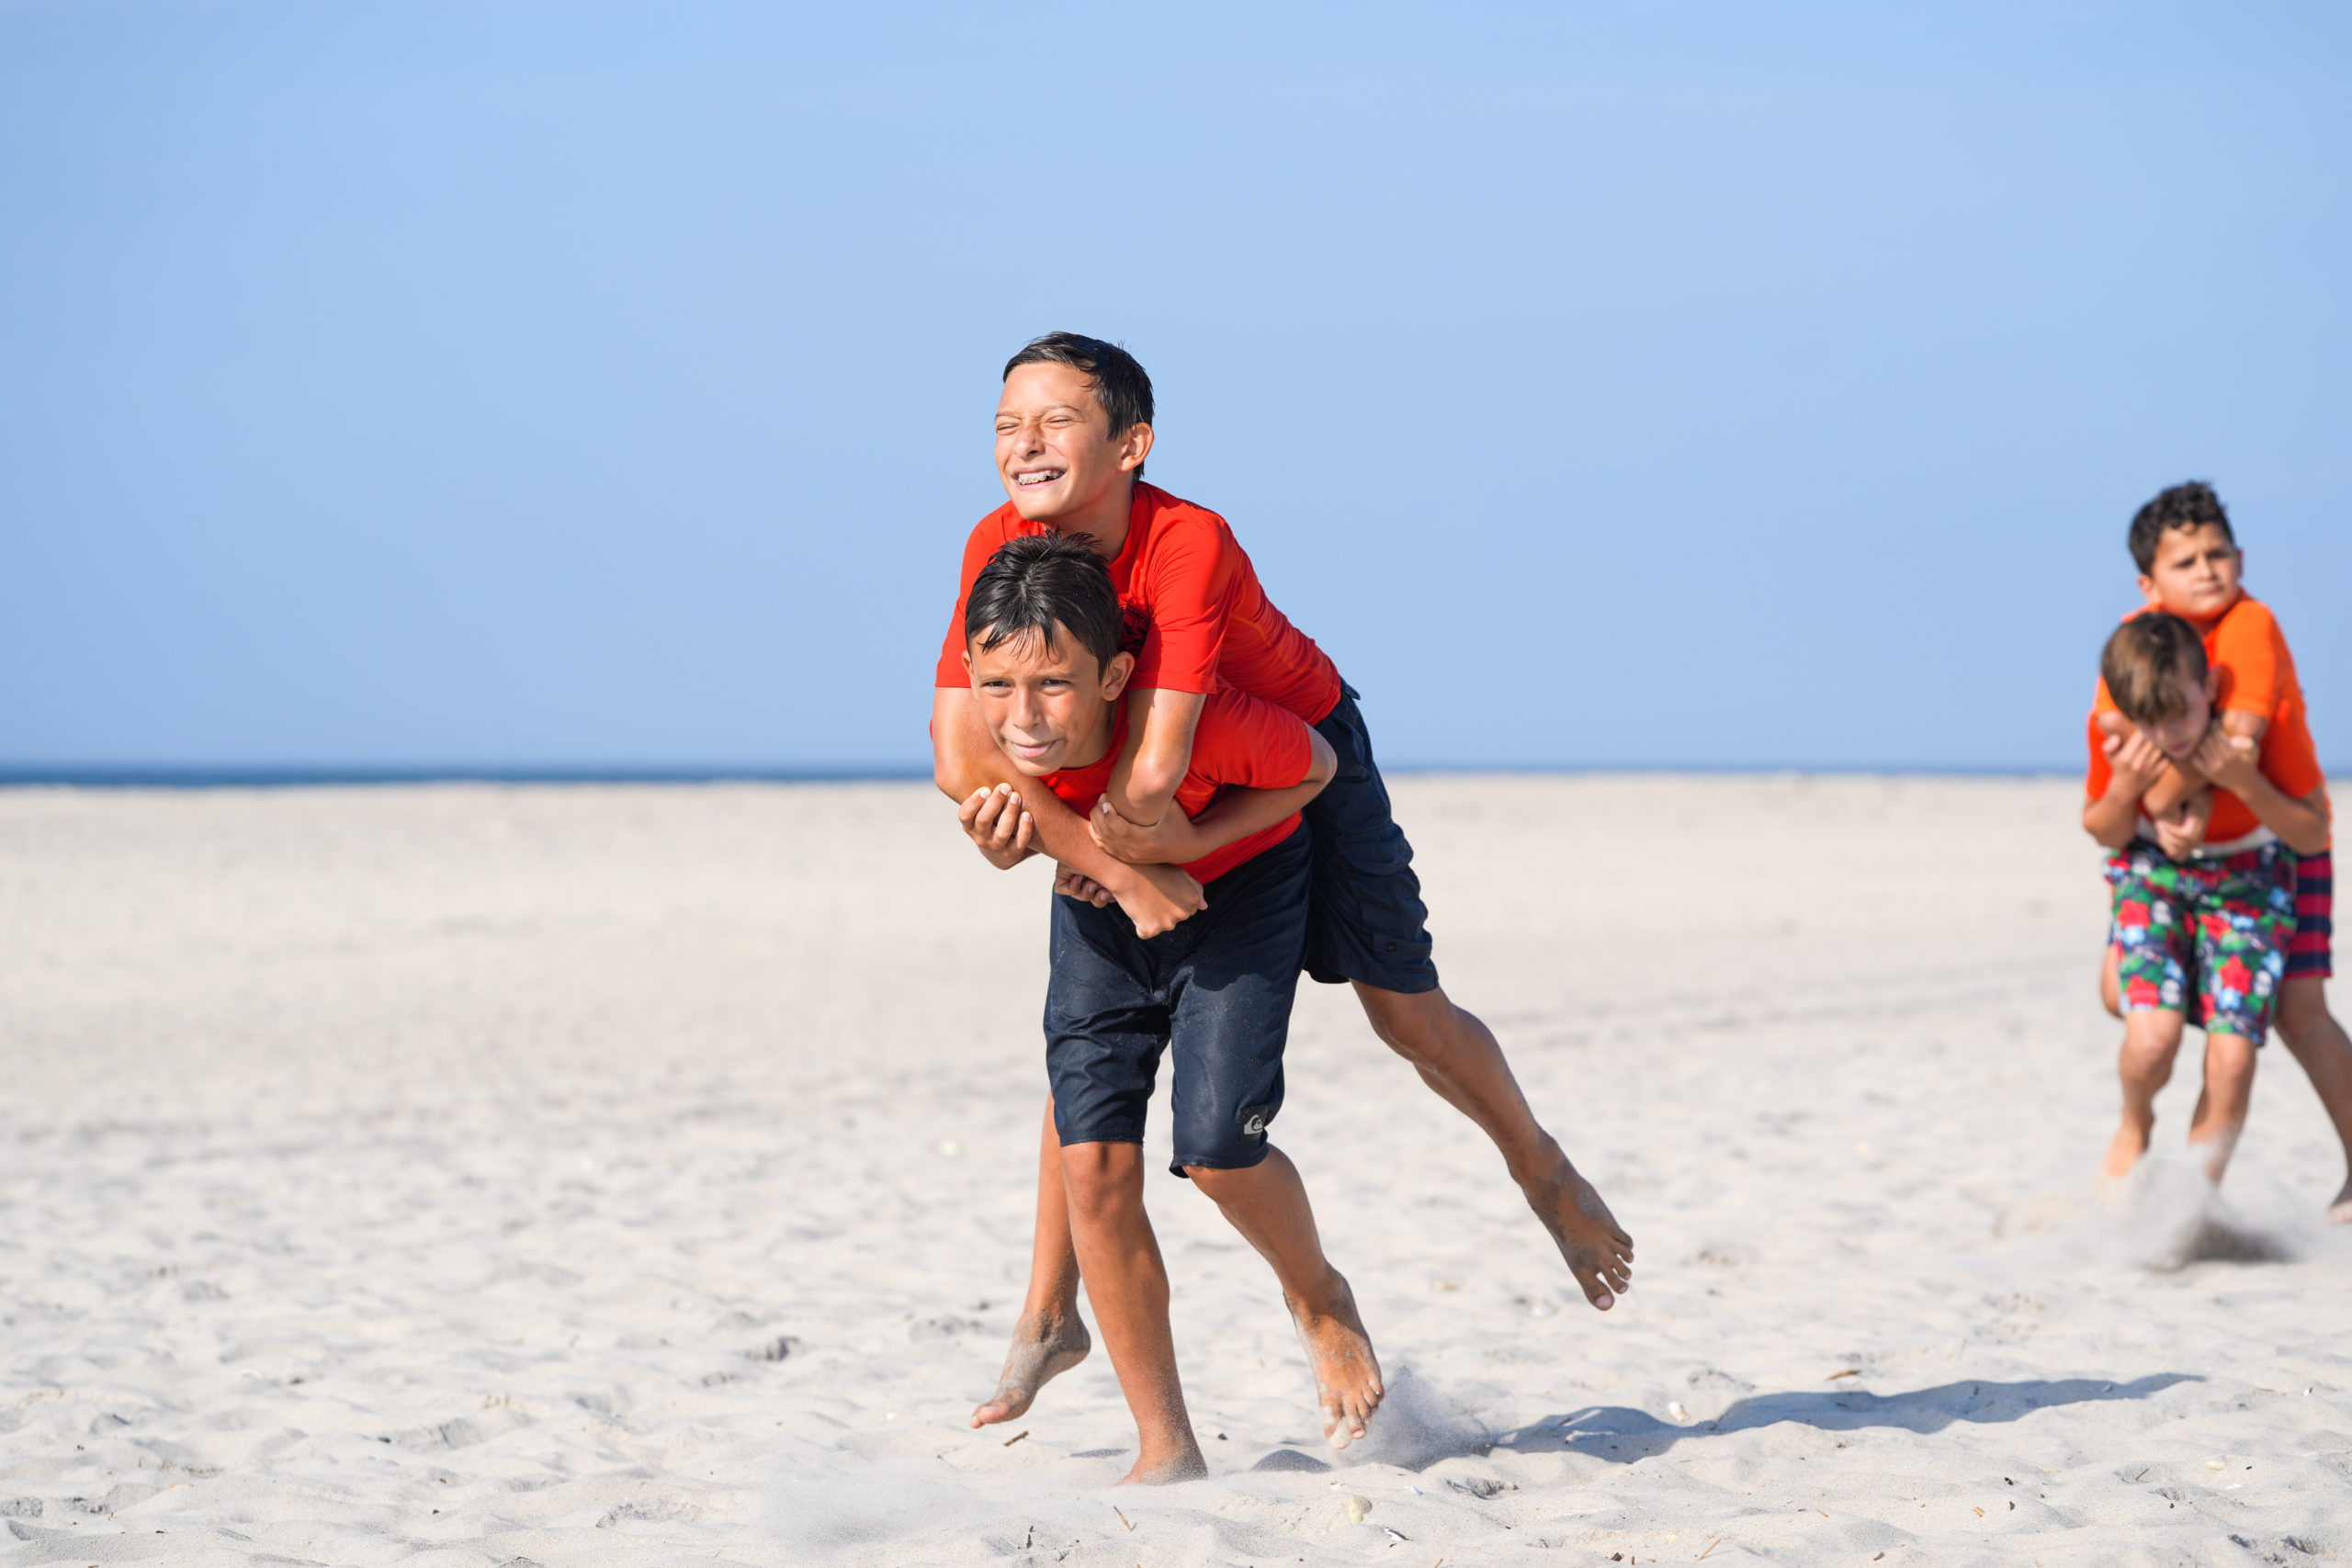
[2190, 505]
[1045, 585]
[2143, 662]
[1120, 384]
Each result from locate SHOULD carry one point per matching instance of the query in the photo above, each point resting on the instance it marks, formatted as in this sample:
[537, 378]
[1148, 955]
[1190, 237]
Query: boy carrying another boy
[2191, 568]
[1073, 428]
[1042, 643]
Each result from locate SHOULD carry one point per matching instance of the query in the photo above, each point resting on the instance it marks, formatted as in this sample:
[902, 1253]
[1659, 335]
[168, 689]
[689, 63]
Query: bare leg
[1049, 1339]
[2318, 1042]
[2151, 1037]
[1266, 1203]
[2221, 1108]
[1457, 1056]
[1125, 1280]
[2110, 988]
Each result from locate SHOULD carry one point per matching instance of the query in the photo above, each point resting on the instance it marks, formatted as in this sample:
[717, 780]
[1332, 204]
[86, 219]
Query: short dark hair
[1045, 585]
[1120, 384]
[2143, 662]
[2190, 505]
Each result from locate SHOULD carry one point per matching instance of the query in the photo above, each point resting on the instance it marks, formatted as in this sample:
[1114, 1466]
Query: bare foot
[1597, 1251]
[1347, 1374]
[2123, 1152]
[1159, 1469]
[1043, 1349]
[2340, 1212]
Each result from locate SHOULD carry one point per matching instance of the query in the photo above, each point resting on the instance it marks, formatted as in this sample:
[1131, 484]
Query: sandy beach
[634, 1175]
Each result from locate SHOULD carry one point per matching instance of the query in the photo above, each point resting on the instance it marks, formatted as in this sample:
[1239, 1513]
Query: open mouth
[1030, 478]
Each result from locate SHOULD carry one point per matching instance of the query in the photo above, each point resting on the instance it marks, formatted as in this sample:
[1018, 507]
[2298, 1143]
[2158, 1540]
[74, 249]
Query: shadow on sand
[1622, 1436]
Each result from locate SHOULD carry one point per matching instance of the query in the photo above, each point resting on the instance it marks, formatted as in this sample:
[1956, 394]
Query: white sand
[610, 1175]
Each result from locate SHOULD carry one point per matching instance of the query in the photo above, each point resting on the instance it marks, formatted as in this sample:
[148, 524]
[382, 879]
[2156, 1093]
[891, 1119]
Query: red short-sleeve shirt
[1185, 581]
[1241, 743]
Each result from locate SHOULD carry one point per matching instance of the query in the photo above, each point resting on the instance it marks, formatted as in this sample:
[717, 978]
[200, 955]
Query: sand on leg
[1119, 1258]
[2319, 1043]
[2151, 1039]
[2221, 1105]
[1266, 1203]
[1458, 1056]
[1050, 1338]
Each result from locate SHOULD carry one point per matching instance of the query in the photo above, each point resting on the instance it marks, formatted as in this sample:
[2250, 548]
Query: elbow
[954, 775]
[1150, 789]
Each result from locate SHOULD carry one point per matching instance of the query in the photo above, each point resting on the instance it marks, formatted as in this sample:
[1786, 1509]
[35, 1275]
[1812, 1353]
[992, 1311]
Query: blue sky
[608, 386]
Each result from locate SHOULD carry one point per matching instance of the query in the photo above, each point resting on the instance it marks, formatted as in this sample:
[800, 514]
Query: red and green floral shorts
[2205, 939]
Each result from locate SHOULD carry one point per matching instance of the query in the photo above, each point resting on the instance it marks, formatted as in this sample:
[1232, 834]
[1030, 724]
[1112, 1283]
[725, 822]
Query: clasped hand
[997, 823]
[1171, 840]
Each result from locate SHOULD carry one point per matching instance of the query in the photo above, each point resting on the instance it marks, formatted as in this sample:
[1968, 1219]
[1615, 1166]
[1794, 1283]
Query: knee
[1100, 1177]
[2229, 1064]
[1411, 1024]
[2151, 1039]
[1215, 1181]
[2302, 1005]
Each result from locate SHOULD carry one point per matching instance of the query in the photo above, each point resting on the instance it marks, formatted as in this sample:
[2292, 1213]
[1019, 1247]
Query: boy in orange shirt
[2190, 567]
[1073, 429]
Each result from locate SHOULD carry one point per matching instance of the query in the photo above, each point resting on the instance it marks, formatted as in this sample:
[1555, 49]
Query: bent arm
[2302, 824]
[2113, 818]
[965, 758]
[2182, 780]
[2133, 763]
[1237, 813]
[1160, 726]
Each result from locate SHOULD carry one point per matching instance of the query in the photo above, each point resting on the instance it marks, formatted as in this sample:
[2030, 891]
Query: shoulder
[2249, 617]
[998, 525]
[1174, 515]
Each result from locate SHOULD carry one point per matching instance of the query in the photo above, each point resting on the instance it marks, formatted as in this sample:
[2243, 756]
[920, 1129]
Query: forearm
[2301, 824]
[1242, 812]
[2114, 819]
[2176, 784]
[1160, 726]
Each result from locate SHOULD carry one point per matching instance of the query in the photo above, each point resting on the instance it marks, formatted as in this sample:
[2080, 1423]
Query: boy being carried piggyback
[2204, 782]
[1042, 643]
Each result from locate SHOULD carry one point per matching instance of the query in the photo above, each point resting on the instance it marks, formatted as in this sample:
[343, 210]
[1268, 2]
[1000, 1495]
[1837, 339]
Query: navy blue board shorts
[1218, 988]
[1367, 922]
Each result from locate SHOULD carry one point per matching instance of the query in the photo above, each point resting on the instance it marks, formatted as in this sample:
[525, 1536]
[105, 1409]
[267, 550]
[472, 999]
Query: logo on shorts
[1253, 1121]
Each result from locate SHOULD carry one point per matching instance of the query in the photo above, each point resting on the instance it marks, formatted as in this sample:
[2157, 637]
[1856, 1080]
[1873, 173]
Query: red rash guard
[1185, 582]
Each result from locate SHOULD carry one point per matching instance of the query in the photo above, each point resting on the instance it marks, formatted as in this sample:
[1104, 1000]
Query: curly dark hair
[2190, 505]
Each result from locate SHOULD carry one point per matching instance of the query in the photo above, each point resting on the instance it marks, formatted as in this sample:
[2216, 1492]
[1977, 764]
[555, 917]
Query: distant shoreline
[255, 776]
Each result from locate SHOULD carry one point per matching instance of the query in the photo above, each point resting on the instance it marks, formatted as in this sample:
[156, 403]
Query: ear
[1115, 675]
[2212, 682]
[1134, 447]
[2148, 592]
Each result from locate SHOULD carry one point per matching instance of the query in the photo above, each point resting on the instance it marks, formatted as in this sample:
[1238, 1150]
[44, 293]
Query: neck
[1097, 745]
[1106, 521]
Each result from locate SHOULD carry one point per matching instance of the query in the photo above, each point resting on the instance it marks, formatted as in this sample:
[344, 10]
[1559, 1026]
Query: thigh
[1367, 922]
[2310, 951]
[2245, 919]
[1106, 1026]
[2154, 943]
[1230, 1010]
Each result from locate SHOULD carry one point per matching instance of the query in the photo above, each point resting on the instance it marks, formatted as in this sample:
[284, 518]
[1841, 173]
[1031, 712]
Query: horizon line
[223, 775]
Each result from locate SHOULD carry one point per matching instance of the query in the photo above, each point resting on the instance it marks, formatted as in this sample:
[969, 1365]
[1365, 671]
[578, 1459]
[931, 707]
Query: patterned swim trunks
[2207, 938]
